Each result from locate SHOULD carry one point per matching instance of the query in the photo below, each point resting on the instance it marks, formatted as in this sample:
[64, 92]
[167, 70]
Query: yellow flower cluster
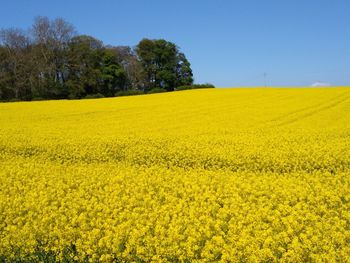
[228, 175]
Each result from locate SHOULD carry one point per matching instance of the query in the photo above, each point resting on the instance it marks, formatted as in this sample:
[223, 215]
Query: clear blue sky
[228, 42]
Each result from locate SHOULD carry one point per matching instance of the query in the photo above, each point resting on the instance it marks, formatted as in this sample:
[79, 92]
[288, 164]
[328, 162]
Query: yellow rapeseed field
[230, 175]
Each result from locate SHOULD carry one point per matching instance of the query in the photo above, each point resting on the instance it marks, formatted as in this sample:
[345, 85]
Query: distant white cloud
[320, 84]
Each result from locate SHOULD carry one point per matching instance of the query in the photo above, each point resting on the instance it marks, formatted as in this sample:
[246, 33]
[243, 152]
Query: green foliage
[94, 96]
[196, 86]
[38, 98]
[52, 62]
[128, 93]
[165, 67]
[84, 66]
[113, 77]
[156, 90]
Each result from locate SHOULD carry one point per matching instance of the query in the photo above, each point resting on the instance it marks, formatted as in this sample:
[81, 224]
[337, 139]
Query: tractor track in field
[306, 112]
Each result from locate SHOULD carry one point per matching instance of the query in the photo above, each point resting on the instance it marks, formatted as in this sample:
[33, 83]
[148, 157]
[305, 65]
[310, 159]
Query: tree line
[52, 61]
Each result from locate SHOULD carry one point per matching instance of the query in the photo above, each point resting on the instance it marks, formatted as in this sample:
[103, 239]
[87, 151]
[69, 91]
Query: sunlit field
[230, 175]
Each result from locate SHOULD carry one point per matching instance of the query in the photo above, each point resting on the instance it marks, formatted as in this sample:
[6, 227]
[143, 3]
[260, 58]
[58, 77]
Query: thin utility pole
[265, 81]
